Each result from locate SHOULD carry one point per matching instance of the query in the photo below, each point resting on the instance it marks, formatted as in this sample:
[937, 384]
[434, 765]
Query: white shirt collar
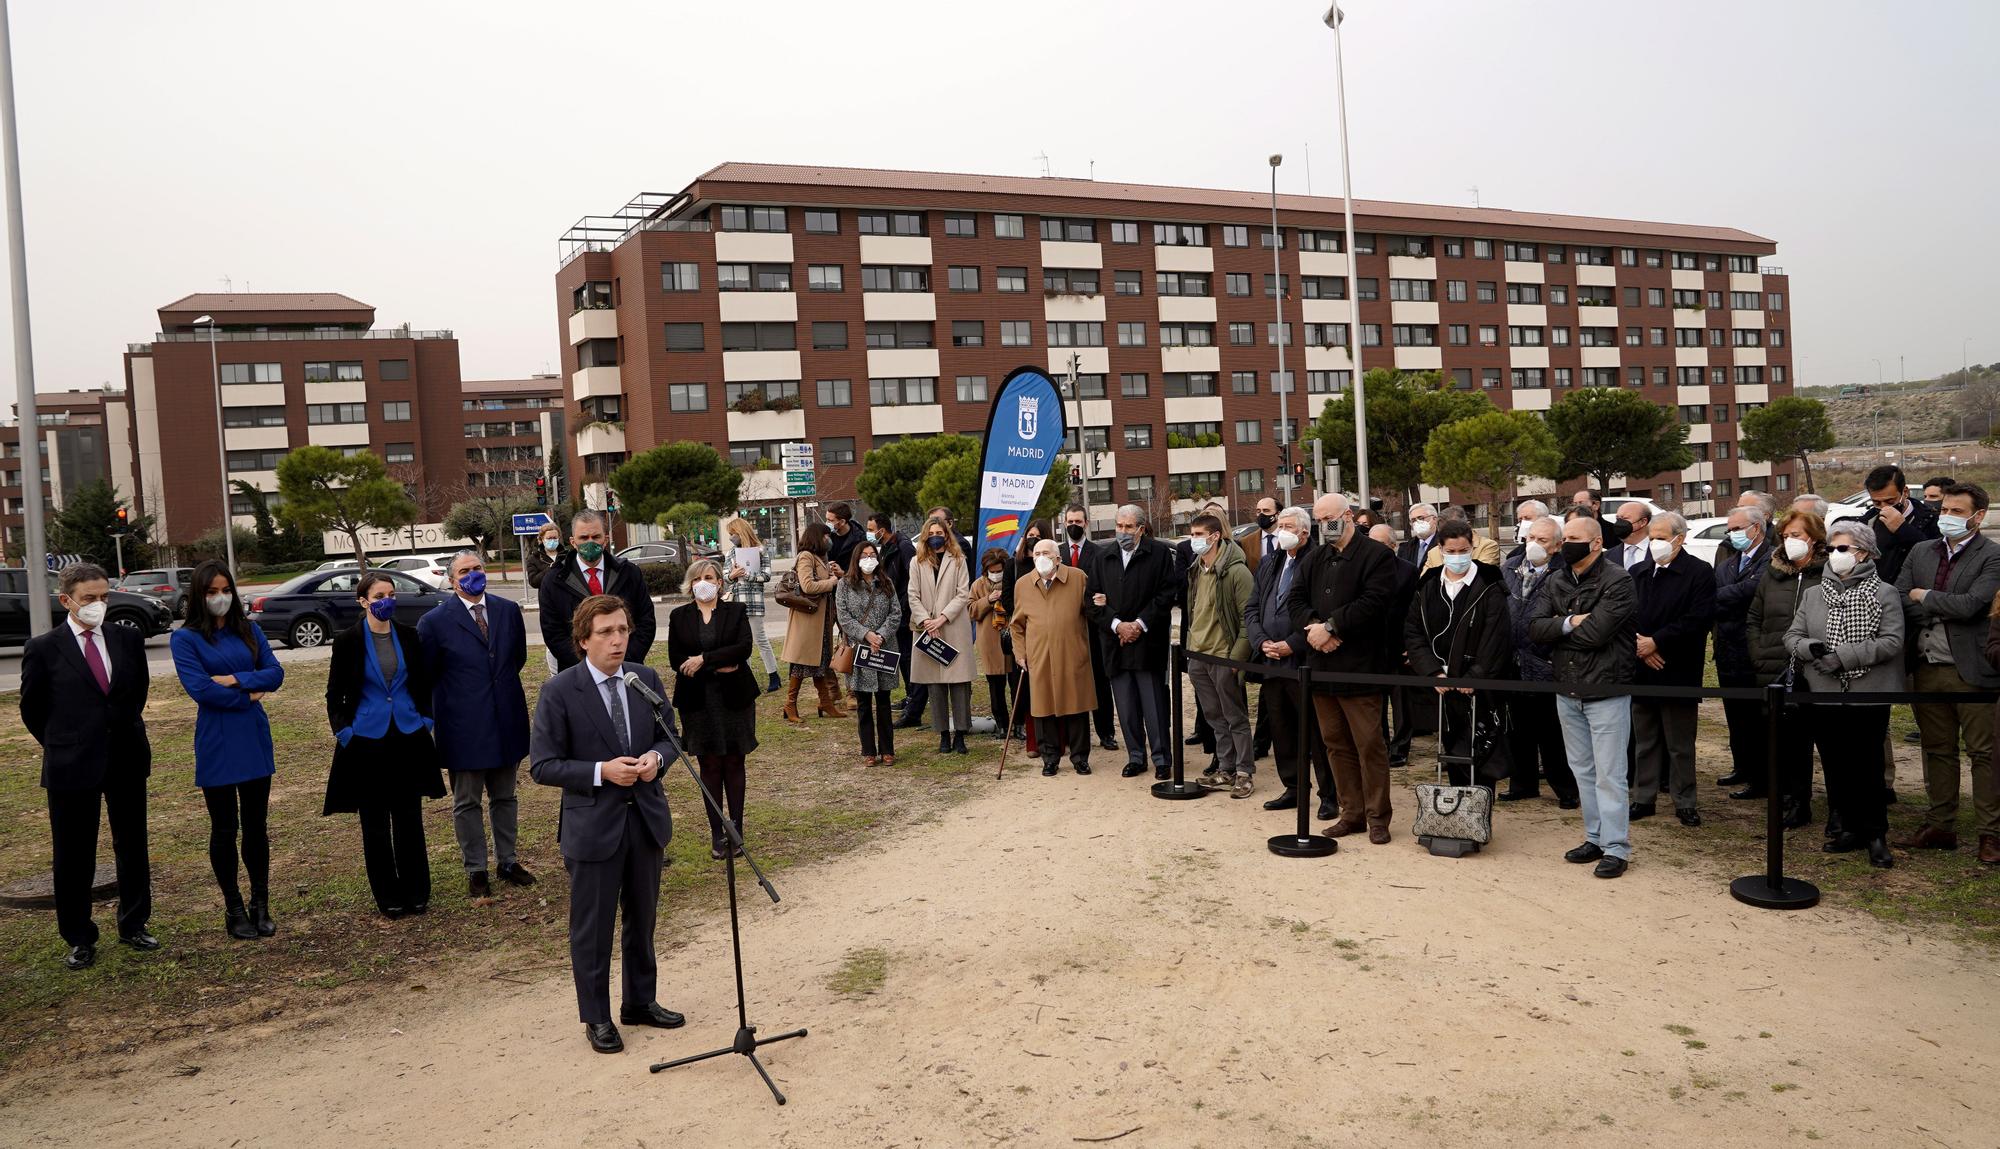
[75, 629]
[581, 565]
[469, 603]
[598, 677]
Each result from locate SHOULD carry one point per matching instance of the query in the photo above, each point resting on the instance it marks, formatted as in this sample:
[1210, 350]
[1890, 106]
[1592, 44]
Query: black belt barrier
[1768, 890]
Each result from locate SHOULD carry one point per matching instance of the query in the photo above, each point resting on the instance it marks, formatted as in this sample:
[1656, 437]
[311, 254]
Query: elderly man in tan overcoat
[1051, 624]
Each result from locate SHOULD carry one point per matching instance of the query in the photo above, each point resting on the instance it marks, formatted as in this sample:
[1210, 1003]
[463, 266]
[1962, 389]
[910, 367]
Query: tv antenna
[1044, 157]
[228, 286]
[1474, 189]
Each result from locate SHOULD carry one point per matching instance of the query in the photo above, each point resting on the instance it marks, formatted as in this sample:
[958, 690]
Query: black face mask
[1575, 552]
[1621, 530]
[1264, 521]
[1076, 532]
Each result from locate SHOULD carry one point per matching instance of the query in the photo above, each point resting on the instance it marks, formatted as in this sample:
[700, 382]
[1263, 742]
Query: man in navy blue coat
[475, 645]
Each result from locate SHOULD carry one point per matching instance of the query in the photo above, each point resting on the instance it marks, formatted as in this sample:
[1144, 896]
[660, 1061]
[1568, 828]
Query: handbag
[791, 594]
[1461, 813]
[842, 661]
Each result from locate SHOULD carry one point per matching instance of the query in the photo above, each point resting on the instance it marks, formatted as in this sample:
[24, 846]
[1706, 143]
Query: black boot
[237, 919]
[260, 915]
[944, 743]
[1797, 813]
[1833, 827]
[958, 742]
[1879, 855]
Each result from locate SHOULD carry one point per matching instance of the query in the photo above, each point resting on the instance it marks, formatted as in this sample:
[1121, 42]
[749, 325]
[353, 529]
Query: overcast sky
[423, 157]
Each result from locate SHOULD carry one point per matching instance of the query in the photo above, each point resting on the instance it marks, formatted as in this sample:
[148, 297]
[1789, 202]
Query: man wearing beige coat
[939, 600]
[1051, 625]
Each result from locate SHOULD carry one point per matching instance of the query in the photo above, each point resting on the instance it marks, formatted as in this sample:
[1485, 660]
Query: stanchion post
[1772, 890]
[1179, 789]
[1304, 843]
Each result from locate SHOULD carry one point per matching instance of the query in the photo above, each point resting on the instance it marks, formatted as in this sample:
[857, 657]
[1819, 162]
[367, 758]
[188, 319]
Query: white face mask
[1538, 555]
[1198, 546]
[1420, 528]
[1661, 549]
[1797, 549]
[1287, 540]
[552, 545]
[869, 564]
[1841, 562]
[218, 604]
[1045, 565]
[91, 614]
[995, 577]
[706, 591]
[1521, 528]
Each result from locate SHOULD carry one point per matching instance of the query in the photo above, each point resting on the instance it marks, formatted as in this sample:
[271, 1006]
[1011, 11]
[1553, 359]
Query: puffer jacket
[1602, 649]
[1470, 636]
[1771, 610]
[1882, 655]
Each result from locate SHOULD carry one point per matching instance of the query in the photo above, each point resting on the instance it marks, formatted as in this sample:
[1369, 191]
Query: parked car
[143, 613]
[168, 584]
[309, 609]
[433, 569]
[334, 564]
[675, 551]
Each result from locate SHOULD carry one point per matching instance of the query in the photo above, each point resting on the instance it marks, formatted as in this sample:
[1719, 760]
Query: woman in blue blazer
[378, 702]
[225, 665]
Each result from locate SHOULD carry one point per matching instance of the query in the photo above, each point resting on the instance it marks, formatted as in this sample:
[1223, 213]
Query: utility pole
[34, 559]
[1278, 334]
[1082, 449]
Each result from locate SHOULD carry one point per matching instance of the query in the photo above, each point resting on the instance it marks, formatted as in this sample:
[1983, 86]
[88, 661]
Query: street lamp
[221, 448]
[34, 559]
[1333, 20]
[1278, 334]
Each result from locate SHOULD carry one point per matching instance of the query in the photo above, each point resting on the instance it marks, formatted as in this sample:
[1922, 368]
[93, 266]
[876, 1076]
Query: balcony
[1596, 315]
[600, 439]
[593, 323]
[595, 383]
[765, 426]
[1176, 359]
[1194, 460]
[1068, 253]
[338, 435]
[287, 336]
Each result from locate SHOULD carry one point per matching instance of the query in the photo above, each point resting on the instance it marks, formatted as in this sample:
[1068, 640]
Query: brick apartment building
[849, 308]
[86, 437]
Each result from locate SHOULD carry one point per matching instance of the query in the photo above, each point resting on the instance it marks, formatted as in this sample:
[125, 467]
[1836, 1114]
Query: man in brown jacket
[1051, 626]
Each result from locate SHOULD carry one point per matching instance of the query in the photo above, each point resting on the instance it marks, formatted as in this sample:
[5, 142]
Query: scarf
[1853, 614]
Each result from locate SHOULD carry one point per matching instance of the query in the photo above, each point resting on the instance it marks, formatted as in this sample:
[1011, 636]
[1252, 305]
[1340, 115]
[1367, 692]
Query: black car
[142, 613]
[311, 608]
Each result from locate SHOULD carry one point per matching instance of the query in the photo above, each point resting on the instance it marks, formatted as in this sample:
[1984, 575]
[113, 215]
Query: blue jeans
[1594, 735]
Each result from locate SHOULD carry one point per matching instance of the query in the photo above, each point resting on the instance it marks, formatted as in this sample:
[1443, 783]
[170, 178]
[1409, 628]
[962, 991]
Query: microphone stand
[747, 1042]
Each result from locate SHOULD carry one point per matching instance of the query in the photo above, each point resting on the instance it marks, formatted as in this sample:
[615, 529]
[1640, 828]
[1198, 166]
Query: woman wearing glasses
[1797, 564]
[1847, 638]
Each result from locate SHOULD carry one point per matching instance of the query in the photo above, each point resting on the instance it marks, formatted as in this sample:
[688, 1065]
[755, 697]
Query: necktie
[1076, 554]
[1285, 580]
[596, 587]
[96, 661]
[479, 616]
[1270, 545]
[615, 691]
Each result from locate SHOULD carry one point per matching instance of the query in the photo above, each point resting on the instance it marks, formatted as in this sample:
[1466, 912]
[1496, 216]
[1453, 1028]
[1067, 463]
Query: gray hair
[1138, 514]
[1755, 516]
[1452, 511]
[76, 573]
[1299, 517]
[1859, 533]
[1674, 520]
[704, 567]
[465, 552]
[1533, 508]
[585, 516]
[1551, 520]
[1811, 503]
[1415, 507]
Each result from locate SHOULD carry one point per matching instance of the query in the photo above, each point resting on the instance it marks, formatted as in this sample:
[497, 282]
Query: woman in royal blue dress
[225, 665]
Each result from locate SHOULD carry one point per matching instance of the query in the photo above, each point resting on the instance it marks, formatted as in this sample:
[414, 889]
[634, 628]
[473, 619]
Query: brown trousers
[1351, 724]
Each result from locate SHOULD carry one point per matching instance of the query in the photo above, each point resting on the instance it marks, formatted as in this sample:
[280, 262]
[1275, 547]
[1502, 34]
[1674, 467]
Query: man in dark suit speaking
[594, 738]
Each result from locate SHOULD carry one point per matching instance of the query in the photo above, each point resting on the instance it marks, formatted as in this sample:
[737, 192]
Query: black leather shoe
[1609, 867]
[1081, 767]
[1569, 803]
[260, 917]
[1797, 814]
[1588, 852]
[909, 721]
[80, 957]
[604, 1037]
[1879, 855]
[1833, 827]
[1132, 770]
[1511, 796]
[1640, 810]
[477, 886]
[1845, 844]
[393, 913]
[1326, 812]
[1261, 750]
[515, 874]
[420, 907]
[141, 940]
[653, 1014]
[944, 742]
[1733, 778]
[1289, 800]
[1108, 742]
[958, 743]
[1163, 773]
[1750, 794]
[1688, 817]
[1399, 763]
[237, 921]
[1191, 740]
[1048, 769]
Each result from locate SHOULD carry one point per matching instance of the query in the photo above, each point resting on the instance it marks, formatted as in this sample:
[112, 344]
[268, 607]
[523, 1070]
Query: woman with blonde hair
[939, 601]
[749, 570]
[809, 631]
[546, 553]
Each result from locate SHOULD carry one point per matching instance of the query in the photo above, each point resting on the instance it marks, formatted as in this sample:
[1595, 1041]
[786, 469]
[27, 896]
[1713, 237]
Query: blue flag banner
[1024, 433]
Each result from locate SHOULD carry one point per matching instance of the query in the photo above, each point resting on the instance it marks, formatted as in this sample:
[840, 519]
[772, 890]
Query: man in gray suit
[594, 738]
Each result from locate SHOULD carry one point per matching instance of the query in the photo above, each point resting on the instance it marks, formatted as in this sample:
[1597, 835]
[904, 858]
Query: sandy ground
[1070, 959]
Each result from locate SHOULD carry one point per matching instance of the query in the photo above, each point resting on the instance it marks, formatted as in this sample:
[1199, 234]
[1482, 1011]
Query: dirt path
[1069, 959]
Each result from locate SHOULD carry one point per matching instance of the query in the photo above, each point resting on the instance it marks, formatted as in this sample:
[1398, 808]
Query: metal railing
[1770, 269]
[284, 336]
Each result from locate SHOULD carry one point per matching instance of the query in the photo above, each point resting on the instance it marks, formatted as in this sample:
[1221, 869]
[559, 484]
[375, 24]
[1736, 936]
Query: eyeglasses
[1844, 548]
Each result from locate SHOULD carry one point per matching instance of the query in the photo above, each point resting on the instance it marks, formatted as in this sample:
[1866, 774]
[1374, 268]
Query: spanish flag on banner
[1003, 526]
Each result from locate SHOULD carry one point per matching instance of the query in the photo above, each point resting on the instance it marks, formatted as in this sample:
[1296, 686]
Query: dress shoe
[393, 913]
[1929, 838]
[1588, 852]
[1049, 770]
[1750, 794]
[259, 910]
[1379, 835]
[80, 957]
[1879, 855]
[1733, 778]
[1913, 736]
[1108, 742]
[1343, 829]
[1191, 740]
[958, 743]
[1132, 770]
[1640, 810]
[1989, 849]
[1326, 812]
[1511, 796]
[515, 874]
[1397, 762]
[1163, 773]
[944, 742]
[1289, 800]
[1833, 825]
[1688, 817]
[477, 886]
[140, 940]
[604, 1037]
[1569, 803]
[1797, 814]
[1609, 867]
[1080, 767]
[420, 907]
[653, 1014]
[1845, 844]
[237, 921]
[909, 722]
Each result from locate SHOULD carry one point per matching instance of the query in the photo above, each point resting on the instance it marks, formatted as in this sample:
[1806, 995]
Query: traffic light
[124, 518]
[1298, 476]
[541, 491]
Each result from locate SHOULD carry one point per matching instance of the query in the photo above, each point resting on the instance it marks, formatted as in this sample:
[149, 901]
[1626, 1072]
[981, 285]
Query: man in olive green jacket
[1219, 585]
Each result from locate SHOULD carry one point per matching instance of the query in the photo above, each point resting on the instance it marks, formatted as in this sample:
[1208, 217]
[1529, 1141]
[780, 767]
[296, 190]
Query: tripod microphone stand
[747, 1042]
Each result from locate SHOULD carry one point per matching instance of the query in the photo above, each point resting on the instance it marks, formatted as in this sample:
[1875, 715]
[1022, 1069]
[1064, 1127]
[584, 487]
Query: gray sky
[423, 157]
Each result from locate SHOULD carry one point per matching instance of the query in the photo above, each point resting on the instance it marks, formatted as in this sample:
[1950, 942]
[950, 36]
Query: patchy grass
[861, 973]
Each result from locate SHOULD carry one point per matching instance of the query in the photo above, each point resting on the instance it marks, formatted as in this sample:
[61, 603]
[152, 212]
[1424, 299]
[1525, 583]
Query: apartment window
[1715, 299]
[964, 279]
[1454, 249]
[890, 223]
[1241, 334]
[824, 277]
[1069, 281]
[1089, 385]
[1367, 290]
[1482, 249]
[1194, 435]
[1458, 335]
[1364, 243]
[1489, 378]
[1326, 335]
[1132, 385]
[1327, 382]
[681, 276]
[1181, 283]
[1187, 334]
[400, 453]
[753, 219]
[1552, 253]
[890, 334]
[1277, 284]
[836, 450]
[1684, 261]
[1635, 376]
[1777, 374]
[909, 279]
[753, 277]
[1414, 335]
[1323, 287]
[902, 392]
[597, 353]
[1722, 449]
[1774, 300]
[1524, 337]
[1010, 279]
[249, 417]
[325, 413]
[823, 222]
[1524, 293]
[1180, 235]
[1138, 436]
[1721, 413]
[1656, 297]
[1236, 283]
[1717, 376]
[1371, 335]
[1320, 241]
[1520, 252]
[1746, 337]
[1489, 335]
[1242, 382]
[961, 226]
[1559, 337]
[1015, 333]
[1659, 377]
[1634, 337]
[1631, 297]
[1008, 227]
[1235, 235]
[687, 396]
[760, 337]
[240, 372]
[1528, 379]
[1131, 335]
[1124, 231]
[1283, 383]
[1562, 376]
[1454, 291]
[1597, 336]
[1249, 431]
[829, 335]
[1776, 337]
[1189, 384]
[1744, 300]
[734, 393]
[1628, 257]
[1749, 375]
[968, 333]
[1127, 283]
[1558, 295]
[238, 461]
[835, 393]
[1656, 336]
[398, 412]
[1590, 256]
[1717, 337]
[1139, 488]
[1743, 264]
[1069, 230]
[1077, 334]
[1687, 337]
[1489, 292]
[390, 370]
[1461, 378]
[971, 388]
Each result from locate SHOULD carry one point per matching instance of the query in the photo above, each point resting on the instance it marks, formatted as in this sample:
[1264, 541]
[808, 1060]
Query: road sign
[801, 484]
[795, 450]
[793, 463]
[531, 523]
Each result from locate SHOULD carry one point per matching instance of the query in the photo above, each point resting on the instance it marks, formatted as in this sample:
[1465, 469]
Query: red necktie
[596, 587]
[96, 662]
[1076, 554]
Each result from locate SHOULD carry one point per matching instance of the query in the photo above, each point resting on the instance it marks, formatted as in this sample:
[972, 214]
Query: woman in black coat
[378, 703]
[708, 642]
[1459, 627]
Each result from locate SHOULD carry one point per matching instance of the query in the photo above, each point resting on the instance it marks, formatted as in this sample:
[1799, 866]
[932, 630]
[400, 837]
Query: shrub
[664, 578]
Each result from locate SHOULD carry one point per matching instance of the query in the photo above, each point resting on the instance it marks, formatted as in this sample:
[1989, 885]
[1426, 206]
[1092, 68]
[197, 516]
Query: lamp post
[34, 559]
[1278, 335]
[1333, 19]
[221, 448]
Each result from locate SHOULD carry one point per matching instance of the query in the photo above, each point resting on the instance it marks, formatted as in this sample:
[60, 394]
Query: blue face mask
[473, 583]
[1199, 546]
[383, 608]
[1458, 564]
[1952, 526]
[1740, 540]
[935, 542]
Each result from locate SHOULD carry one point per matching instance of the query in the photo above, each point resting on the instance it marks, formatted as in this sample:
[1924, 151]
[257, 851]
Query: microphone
[646, 692]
